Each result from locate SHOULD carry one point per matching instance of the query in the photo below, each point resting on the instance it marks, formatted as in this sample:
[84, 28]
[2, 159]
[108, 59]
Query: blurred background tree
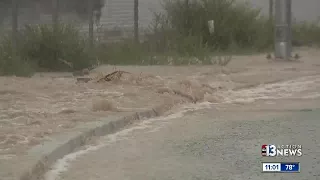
[78, 7]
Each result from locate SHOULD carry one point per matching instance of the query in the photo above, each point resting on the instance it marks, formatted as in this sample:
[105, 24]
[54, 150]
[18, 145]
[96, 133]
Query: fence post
[136, 20]
[55, 13]
[289, 29]
[55, 22]
[90, 17]
[14, 35]
[271, 19]
[271, 10]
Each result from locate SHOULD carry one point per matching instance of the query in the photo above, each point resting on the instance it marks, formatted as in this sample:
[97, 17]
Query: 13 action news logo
[281, 150]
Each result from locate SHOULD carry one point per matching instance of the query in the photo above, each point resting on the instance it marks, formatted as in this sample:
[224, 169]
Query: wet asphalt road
[205, 145]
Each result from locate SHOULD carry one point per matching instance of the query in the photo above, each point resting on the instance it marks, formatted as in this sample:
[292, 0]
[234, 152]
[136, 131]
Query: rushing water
[305, 87]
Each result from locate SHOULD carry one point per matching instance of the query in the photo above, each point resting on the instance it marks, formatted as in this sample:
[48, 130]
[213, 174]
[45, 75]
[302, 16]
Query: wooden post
[55, 12]
[136, 20]
[271, 6]
[91, 22]
[14, 35]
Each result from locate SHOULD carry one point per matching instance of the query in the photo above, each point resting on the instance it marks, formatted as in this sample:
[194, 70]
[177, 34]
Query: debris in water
[269, 56]
[112, 76]
[84, 79]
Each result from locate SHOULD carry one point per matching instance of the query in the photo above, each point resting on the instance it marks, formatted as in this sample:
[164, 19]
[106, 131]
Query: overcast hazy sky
[301, 9]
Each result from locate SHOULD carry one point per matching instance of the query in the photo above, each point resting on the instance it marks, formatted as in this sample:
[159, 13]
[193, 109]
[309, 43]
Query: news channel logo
[271, 150]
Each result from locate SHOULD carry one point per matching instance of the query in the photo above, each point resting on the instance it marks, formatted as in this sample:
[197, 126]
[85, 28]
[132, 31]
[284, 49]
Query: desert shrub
[48, 48]
[121, 52]
[182, 26]
[16, 67]
[306, 33]
[176, 35]
[10, 63]
[181, 30]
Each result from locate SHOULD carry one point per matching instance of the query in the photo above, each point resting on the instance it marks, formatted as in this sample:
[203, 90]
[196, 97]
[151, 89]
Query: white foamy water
[152, 125]
[305, 88]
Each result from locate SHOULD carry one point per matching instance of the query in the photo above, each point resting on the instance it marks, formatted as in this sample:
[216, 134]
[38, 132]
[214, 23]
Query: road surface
[209, 141]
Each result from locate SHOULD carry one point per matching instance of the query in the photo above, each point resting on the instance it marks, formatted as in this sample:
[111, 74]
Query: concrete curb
[37, 168]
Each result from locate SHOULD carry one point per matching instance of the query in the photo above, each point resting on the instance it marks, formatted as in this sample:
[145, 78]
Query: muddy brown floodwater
[31, 109]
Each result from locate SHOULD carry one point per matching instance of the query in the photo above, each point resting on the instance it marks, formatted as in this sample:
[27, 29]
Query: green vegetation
[46, 48]
[177, 35]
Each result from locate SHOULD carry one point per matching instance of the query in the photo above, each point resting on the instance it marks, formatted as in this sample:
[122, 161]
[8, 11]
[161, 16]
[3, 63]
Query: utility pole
[282, 36]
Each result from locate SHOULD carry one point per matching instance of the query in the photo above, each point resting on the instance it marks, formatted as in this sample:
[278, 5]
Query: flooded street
[160, 148]
[33, 110]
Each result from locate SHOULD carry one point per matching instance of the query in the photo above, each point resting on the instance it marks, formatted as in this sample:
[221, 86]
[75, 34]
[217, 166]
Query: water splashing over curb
[153, 124]
[305, 87]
